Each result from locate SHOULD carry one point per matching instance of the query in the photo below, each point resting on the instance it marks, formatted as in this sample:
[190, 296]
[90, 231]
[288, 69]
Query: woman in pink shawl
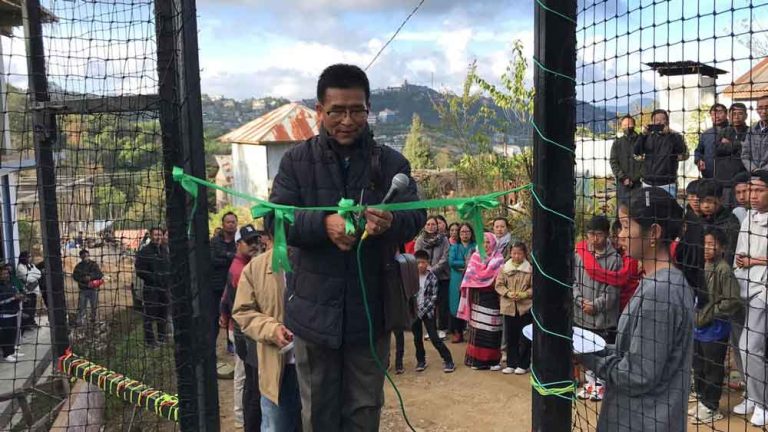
[479, 306]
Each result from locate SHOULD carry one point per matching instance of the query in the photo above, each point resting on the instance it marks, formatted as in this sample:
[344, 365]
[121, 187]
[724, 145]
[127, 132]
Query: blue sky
[256, 48]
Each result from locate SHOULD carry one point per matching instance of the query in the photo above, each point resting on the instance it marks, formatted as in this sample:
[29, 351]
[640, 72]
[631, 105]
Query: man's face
[343, 113]
[738, 117]
[719, 115]
[758, 195]
[710, 205]
[157, 237]
[741, 191]
[627, 124]
[597, 239]
[5, 274]
[762, 109]
[230, 224]
[249, 247]
[86, 257]
[660, 119]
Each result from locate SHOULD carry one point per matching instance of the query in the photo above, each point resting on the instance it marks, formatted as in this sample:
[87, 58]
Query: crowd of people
[691, 285]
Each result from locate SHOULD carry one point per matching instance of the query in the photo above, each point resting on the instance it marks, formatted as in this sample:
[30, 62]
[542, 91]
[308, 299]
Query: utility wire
[413, 12]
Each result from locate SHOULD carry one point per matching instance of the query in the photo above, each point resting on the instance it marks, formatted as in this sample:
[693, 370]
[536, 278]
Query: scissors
[359, 217]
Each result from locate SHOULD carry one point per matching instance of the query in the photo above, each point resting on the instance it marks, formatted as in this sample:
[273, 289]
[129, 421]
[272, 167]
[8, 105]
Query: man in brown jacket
[259, 310]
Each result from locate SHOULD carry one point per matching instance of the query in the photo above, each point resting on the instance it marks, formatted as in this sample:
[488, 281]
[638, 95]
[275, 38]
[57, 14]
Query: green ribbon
[348, 215]
[472, 210]
[469, 209]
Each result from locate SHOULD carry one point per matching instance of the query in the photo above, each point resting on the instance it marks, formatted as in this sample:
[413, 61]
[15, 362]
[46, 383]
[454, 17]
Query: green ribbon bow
[472, 210]
[347, 211]
[283, 215]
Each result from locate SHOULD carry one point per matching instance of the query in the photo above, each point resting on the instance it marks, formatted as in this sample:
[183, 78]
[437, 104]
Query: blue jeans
[287, 416]
[669, 188]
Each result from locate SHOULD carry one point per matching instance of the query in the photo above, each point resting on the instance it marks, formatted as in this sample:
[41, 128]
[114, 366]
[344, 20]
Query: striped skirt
[485, 324]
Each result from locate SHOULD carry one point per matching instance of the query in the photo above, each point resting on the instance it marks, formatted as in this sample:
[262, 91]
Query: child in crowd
[713, 326]
[426, 301]
[514, 287]
[713, 213]
[741, 195]
[596, 300]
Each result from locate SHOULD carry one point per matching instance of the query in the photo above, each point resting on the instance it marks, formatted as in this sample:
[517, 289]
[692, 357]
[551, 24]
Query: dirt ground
[468, 400]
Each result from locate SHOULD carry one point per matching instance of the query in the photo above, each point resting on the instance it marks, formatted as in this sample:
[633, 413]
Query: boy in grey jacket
[596, 302]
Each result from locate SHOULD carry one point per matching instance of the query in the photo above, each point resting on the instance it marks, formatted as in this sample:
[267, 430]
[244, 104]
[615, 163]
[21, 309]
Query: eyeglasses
[355, 113]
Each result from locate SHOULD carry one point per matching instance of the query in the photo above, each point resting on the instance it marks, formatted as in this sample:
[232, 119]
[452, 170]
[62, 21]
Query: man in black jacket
[223, 250]
[341, 386]
[88, 275]
[627, 170]
[662, 150]
[153, 267]
[728, 151]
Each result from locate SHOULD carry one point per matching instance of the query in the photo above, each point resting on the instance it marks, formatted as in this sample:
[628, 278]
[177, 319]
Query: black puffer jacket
[222, 254]
[324, 303]
[153, 266]
[663, 153]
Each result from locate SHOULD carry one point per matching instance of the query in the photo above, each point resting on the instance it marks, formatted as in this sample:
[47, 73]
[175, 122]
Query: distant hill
[221, 115]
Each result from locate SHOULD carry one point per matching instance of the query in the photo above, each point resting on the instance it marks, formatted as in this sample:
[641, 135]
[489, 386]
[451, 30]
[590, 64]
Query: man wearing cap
[248, 246]
[754, 154]
[88, 276]
[751, 264]
[153, 267]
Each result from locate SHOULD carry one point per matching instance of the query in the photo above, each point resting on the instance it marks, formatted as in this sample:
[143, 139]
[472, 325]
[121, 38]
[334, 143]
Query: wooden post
[553, 174]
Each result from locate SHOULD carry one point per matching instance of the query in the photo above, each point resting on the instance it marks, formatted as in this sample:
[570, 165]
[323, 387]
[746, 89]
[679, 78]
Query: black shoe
[399, 370]
[420, 366]
[449, 367]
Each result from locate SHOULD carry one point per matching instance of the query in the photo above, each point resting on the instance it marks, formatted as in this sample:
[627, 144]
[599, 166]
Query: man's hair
[693, 187]
[742, 177]
[660, 111]
[421, 255]
[626, 117]
[343, 76]
[718, 235]
[229, 213]
[84, 252]
[716, 106]
[153, 229]
[599, 223]
[709, 188]
[738, 106]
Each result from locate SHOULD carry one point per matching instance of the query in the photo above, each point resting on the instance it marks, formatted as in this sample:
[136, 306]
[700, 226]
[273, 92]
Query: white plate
[584, 341]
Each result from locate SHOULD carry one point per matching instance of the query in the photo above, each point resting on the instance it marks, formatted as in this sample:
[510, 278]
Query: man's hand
[725, 141]
[223, 321]
[377, 221]
[702, 165]
[512, 296]
[283, 336]
[587, 307]
[335, 227]
[627, 182]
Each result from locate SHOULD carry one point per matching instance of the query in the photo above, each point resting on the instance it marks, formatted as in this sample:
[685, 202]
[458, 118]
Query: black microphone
[399, 185]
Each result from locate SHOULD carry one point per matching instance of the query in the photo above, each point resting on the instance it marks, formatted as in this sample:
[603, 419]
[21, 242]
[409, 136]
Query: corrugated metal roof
[290, 122]
[751, 85]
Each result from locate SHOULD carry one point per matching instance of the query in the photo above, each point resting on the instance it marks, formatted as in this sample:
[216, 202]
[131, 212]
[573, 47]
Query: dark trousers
[443, 305]
[709, 370]
[251, 400]
[458, 325]
[623, 192]
[155, 304]
[8, 335]
[399, 349]
[418, 340]
[29, 310]
[518, 346]
[341, 389]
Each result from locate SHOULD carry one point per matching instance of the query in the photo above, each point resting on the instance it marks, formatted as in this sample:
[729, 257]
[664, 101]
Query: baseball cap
[246, 233]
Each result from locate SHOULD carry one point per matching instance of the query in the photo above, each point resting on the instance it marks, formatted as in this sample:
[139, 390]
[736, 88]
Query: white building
[259, 145]
[684, 87]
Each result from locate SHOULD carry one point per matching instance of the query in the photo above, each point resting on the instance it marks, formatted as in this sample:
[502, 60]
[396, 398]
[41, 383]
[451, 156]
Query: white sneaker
[19, 354]
[496, 368]
[441, 334]
[759, 417]
[10, 359]
[520, 371]
[707, 416]
[508, 370]
[745, 407]
[698, 408]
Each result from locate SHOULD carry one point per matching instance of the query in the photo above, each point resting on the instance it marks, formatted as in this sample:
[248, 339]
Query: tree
[417, 148]
[756, 41]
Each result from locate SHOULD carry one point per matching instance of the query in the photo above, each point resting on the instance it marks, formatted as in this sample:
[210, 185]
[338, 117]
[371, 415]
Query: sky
[257, 48]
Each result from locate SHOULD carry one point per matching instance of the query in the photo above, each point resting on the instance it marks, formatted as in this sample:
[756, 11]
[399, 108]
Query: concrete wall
[249, 172]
